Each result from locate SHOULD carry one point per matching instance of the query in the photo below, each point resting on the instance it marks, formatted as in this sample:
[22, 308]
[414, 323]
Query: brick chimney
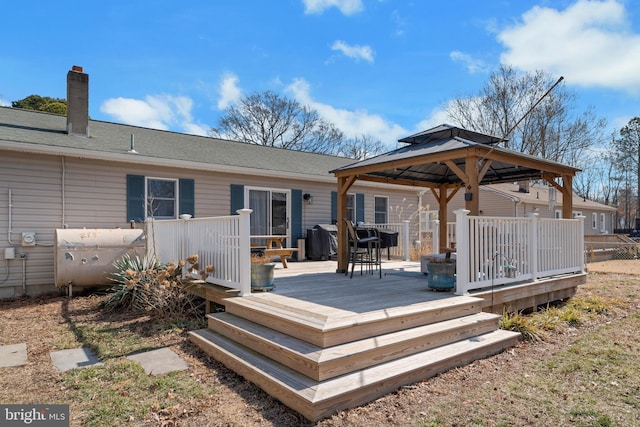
[77, 102]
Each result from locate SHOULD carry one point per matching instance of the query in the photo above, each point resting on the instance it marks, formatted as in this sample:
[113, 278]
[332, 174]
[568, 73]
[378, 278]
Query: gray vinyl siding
[95, 196]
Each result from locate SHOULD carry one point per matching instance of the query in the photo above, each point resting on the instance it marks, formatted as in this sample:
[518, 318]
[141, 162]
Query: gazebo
[446, 159]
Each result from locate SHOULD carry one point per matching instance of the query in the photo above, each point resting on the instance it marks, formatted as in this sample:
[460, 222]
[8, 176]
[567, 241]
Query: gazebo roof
[445, 131]
[432, 157]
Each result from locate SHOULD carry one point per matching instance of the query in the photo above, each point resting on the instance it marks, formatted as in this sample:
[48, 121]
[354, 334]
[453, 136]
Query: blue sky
[385, 68]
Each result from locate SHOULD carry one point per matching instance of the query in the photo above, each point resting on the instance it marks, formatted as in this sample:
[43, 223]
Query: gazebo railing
[494, 251]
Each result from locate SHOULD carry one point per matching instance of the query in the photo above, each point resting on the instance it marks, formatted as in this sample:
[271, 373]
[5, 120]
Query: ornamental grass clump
[146, 285]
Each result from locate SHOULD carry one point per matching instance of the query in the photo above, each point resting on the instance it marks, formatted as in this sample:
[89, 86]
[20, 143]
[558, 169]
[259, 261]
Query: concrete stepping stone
[63, 360]
[159, 361]
[13, 355]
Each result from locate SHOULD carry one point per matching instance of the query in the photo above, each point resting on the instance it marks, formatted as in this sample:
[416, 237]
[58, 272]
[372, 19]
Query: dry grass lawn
[583, 373]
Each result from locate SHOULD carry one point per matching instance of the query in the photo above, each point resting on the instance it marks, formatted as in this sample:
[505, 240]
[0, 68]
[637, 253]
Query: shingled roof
[38, 132]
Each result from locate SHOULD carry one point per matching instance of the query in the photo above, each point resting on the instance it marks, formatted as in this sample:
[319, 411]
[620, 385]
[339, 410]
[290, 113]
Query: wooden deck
[321, 342]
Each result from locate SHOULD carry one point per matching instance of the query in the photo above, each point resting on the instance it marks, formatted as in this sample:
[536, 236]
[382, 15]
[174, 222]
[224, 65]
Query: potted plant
[261, 272]
[441, 274]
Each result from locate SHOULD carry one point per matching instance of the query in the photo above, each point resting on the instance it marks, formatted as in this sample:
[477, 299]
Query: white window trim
[146, 196]
[355, 209]
[247, 189]
[594, 220]
[603, 222]
[375, 212]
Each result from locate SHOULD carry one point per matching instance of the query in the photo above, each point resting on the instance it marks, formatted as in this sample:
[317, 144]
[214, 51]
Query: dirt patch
[471, 395]
[617, 266]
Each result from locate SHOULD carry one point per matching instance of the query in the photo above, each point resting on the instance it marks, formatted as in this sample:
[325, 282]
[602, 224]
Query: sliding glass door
[271, 211]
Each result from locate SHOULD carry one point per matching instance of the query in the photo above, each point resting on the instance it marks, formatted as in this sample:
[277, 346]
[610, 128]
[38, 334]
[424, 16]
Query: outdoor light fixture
[308, 197]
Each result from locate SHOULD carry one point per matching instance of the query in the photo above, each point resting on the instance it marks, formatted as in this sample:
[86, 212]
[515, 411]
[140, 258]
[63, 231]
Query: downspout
[10, 230]
[62, 184]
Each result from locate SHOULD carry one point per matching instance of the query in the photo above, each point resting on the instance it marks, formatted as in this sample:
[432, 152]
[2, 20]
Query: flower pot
[441, 275]
[262, 276]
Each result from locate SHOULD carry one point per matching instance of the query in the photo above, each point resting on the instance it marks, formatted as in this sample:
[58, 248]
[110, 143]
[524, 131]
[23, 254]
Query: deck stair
[318, 361]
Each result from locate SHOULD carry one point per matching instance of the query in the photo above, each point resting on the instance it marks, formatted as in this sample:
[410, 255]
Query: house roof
[431, 155]
[539, 195]
[38, 132]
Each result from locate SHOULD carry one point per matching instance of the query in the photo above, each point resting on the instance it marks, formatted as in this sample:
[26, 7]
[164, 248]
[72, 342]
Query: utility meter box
[29, 238]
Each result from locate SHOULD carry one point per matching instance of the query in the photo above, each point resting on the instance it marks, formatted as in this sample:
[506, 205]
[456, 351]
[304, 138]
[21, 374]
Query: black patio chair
[365, 250]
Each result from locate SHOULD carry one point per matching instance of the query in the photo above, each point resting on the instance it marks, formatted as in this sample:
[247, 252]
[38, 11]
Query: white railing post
[435, 236]
[462, 251]
[405, 230]
[581, 242]
[151, 243]
[533, 250]
[244, 263]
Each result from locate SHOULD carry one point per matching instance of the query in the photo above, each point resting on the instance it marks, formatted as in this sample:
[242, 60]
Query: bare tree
[627, 151]
[549, 131]
[267, 118]
[362, 147]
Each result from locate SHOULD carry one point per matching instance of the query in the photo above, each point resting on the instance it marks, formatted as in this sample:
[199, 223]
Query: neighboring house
[520, 199]
[73, 172]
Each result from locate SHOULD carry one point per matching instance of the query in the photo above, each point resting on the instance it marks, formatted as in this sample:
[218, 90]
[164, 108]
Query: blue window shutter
[359, 207]
[135, 198]
[296, 216]
[334, 207]
[237, 198]
[186, 204]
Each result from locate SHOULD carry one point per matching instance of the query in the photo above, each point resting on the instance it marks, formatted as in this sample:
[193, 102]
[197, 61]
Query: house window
[381, 209]
[558, 214]
[603, 225]
[162, 198]
[159, 197]
[594, 220]
[351, 207]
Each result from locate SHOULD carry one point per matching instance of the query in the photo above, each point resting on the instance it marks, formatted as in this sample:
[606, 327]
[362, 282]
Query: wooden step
[326, 327]
[318, 399]
[323, 363]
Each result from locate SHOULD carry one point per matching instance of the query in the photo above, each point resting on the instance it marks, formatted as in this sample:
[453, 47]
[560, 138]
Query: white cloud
[163, 112]
[354, 51]
[437, 116]
[352, 123]
[590, 42]
[347, 7]
[473, 65]
[399, 22]
[229, 91]
[4, 103]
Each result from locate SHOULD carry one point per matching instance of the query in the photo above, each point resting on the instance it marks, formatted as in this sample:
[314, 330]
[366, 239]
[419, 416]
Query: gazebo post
[344, 183]
[472, 190]
[567, 197]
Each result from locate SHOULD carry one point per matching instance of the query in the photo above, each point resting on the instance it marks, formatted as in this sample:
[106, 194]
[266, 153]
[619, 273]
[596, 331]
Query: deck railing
[219, 241]
[501, 250]
[402, 228]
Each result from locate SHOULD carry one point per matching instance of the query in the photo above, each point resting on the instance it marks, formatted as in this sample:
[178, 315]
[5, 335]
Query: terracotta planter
[262, 276]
